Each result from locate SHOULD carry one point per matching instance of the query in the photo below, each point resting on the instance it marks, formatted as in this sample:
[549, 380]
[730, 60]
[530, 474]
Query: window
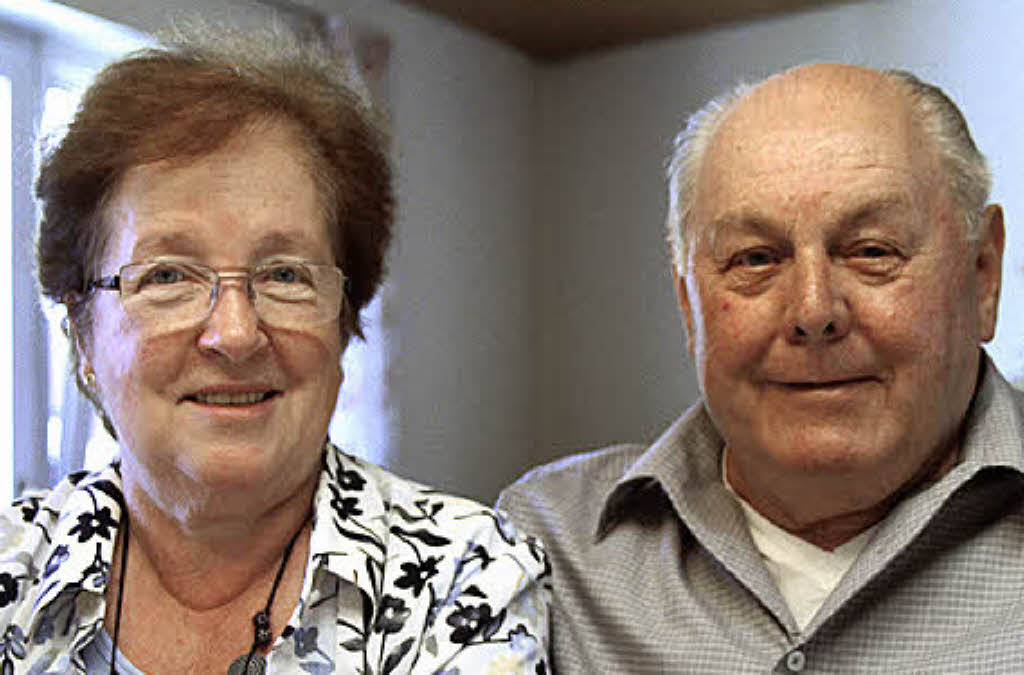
[6, 342]
[48, 53]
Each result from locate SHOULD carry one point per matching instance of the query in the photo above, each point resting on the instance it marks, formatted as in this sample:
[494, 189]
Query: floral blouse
[400, 579]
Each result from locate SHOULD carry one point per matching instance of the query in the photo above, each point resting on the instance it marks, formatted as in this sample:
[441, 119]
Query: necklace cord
[120, 591]
[261, 620]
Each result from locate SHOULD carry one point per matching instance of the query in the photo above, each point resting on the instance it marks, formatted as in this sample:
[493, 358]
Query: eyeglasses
[171, 294]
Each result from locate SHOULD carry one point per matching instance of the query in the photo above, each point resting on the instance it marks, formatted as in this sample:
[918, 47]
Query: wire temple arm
[111, 283]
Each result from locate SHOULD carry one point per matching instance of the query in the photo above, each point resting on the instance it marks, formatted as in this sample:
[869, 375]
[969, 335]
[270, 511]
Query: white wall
[463, 111]
[611, 351]
[461, 355]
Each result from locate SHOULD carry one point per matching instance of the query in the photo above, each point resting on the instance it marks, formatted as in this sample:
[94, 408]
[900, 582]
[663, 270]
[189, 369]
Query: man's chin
[825, 450]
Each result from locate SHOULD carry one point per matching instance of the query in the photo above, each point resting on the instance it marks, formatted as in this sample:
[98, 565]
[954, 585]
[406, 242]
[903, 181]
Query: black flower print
[414, 575]
[30, 509]
[391, 615]
[480, 553]
[469, 621]
[350, 480]
[346, 508]
[8, 589]
[99, 523]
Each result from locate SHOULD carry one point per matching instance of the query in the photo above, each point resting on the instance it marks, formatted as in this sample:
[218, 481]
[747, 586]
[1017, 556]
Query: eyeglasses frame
[113, 282]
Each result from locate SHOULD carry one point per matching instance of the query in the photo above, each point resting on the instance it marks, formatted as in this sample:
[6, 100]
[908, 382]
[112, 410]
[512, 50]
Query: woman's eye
[164, 275]
[284, 274]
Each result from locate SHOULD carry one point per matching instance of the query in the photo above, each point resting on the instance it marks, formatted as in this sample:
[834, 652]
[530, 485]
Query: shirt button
[796, 661]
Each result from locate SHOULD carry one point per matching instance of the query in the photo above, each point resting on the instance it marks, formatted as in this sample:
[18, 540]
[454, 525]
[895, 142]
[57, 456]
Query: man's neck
[828, 513]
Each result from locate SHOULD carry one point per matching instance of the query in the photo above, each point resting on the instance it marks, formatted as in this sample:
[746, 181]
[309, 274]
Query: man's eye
[872, 251]
[876, 259]
[758, 257]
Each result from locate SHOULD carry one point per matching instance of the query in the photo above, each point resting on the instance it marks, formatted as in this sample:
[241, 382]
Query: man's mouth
[232, 398]
[823, 383]
[827, 384]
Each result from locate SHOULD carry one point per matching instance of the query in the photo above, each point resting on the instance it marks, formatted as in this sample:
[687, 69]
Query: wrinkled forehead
[821, 116]
[816, 131]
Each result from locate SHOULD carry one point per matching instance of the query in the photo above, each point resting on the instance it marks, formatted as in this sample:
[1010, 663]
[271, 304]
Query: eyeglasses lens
[167, 296]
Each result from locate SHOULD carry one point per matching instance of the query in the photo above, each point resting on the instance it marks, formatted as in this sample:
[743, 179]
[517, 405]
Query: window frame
[29, 373]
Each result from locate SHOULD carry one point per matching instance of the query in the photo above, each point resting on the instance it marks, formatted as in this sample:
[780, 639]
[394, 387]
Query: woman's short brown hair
[183, 100]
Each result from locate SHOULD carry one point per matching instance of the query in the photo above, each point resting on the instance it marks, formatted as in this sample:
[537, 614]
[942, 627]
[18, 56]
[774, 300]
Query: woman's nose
[233, 326]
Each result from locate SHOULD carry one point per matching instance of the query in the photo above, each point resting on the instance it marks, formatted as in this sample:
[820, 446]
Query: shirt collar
[994, 432]
[349, 520]
[82, 540]
[683, 464]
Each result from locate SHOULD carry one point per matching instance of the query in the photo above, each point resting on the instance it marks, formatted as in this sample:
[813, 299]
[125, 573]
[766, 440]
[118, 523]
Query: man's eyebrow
[859, 213]
[755, 222]
[746, 220]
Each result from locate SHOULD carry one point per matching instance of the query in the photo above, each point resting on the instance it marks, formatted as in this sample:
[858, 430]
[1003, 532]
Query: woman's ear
[84, 370]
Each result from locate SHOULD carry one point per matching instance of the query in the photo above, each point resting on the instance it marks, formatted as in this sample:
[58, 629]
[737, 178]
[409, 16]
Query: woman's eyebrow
[273, 243]
[185, 244]
[177, 243]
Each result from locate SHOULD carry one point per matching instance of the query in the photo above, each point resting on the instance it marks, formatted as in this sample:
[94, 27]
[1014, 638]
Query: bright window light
[6, 338]
[71, 25]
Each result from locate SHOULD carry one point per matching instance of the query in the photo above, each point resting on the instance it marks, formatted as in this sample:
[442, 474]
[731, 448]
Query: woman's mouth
[232, 398]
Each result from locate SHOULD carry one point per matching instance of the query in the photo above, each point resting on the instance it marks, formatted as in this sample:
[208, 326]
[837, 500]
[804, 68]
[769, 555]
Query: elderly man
[847, 495]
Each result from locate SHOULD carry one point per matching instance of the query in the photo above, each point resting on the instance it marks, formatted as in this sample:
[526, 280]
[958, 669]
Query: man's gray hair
[967, 172]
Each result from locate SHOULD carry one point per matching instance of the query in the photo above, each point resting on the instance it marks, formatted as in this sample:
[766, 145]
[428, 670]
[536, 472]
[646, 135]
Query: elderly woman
[214, 221]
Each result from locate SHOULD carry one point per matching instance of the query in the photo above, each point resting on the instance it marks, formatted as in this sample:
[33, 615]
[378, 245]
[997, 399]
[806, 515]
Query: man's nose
[233, 326]
[817, 310]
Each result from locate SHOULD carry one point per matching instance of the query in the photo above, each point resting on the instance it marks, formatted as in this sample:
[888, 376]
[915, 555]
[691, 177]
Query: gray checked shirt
[654, 569]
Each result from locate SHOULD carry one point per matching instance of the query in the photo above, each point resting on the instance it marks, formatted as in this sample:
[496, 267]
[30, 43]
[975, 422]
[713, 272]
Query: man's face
[834, 305]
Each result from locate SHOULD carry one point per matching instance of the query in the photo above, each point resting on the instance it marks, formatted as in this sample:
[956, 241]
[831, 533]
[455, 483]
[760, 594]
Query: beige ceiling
[557, 29]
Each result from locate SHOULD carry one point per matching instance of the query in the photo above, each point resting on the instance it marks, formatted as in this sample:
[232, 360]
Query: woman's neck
[205, 559]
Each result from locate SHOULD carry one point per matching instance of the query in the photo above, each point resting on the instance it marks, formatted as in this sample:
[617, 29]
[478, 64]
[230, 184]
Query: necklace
[251, 663]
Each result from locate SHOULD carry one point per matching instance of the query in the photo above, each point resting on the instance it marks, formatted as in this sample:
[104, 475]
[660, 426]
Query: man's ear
[679, 283]
[989, 269]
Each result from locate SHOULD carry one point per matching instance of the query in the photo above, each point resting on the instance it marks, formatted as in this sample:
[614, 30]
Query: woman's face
[229, 403]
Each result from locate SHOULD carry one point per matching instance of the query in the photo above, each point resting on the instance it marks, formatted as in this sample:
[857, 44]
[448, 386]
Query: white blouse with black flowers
[400, 579]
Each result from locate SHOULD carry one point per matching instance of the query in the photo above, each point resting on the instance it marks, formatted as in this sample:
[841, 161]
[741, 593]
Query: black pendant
[257, 665]
[261, 629]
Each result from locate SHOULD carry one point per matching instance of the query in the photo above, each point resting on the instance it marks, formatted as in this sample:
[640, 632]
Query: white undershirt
[805, 574]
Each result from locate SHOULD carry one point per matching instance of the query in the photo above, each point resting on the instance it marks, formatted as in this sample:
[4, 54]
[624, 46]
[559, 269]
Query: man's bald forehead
[831, 96]
[829, 91]
[836, 76]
